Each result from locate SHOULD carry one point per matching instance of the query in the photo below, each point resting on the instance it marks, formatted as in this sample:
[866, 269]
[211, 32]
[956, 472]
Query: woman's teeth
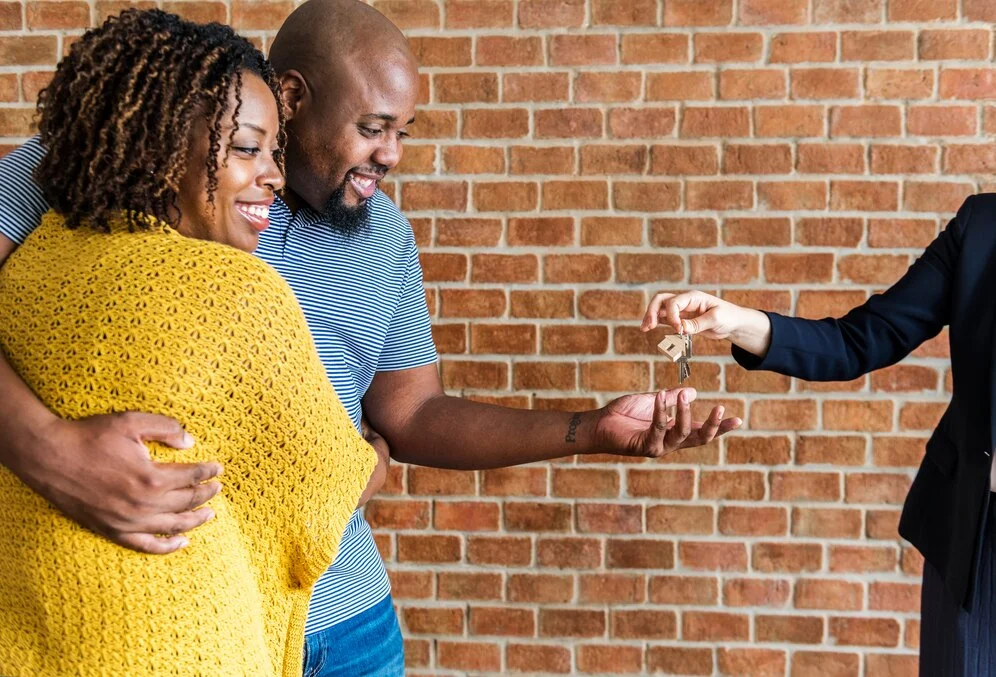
[259, 211]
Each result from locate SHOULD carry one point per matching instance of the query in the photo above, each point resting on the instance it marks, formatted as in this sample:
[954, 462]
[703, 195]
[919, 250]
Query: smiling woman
[137, 293]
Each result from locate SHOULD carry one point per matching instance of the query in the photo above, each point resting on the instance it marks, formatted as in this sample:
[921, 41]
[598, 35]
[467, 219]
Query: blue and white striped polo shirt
[363, 299]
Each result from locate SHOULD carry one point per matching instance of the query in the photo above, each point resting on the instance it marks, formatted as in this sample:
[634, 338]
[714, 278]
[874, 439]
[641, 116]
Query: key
[679, 348]
[684, 366]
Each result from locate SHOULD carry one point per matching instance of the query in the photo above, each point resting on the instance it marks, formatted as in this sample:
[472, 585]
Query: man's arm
[97, 471]
[425, 426]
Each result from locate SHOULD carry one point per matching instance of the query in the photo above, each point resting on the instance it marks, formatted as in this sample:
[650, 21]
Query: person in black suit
[949, 515]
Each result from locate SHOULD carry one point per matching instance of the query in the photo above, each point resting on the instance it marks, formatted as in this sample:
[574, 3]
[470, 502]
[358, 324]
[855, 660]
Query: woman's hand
[698, 313]
[379, 475]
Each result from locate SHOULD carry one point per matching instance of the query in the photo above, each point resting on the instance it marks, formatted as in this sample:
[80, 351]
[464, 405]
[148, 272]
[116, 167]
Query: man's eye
[403, 135]
[370, 131]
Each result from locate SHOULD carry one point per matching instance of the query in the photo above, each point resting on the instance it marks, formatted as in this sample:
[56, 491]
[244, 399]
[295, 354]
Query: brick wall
[571, 157]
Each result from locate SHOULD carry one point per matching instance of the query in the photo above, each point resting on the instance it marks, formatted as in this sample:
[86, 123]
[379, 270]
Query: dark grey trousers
[955, 642]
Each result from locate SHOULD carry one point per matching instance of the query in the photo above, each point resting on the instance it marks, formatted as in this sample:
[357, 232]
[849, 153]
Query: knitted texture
[153, 321]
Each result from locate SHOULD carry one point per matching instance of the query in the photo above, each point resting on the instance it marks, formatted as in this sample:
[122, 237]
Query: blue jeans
[367, 645]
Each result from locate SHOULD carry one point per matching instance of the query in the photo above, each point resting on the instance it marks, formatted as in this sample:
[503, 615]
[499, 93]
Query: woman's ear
[293, 90]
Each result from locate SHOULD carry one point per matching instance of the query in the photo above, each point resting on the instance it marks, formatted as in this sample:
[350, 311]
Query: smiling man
[350, 84]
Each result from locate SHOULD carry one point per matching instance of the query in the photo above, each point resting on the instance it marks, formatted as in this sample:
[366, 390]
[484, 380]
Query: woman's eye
[247, 150]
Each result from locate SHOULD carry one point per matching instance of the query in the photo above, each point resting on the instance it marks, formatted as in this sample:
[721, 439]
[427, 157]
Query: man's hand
[99, 473]
[639, 425]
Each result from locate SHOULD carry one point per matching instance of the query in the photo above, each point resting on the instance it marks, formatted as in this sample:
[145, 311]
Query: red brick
[756, 592]
[483, 123]
[715, 122]
[719, 47]
[757, 159]
[540, 588]
[528, 516]
[571, 623]
[443, 621]
[786, 557]
[633, 123]
[824, 83]
[487, 375]
[679, 661]
[830, 450]
[688, 233]
[649, 196]
[901, 597]
[737, 485]
[504, 551]
[826, 522]
[791, 629]
[62, 15]
[744, 521]
[397, 514]
[777, 301]
[614, 159]
[824, 664]
[517, 196]
[910, 233]
[551, 13]
[681, 86]
[829, 232]
[436, 124]
[599, 231]
[757, 231]
[719, 195]
[960, 44]
[667, 484]
[922, 10]
[979, 10]
[876, 488]
[772, 12]
[830, 158]
[695, 590]
[971, 84]
[460, 585]
[820, 304]
[897, 83]
[758, 450]
[607, 87]
[466, 87]
[792, 195]
[783, 415]
[569, 553]
[432, 51]
[502, 622]
[518, 87]
[479, 14]
[29, 50]
[848, 11]
[803, 47]
[653, 48]
[644, 624]
[942, 120]
[614, 659]
[709, 626]
[639, 554]
[680, 519]
[789, 121]
[533, 657]
[405, 14]
[611, 305]
[805, 486]
[546, 160]
[466, 516]
[878, 196]
[857, 415]
[473, 656]
[428, 549]
[574, 340]
[504, 268]
[920, 415]
[828, 594]
[713, 556]
[520, 481]
[890, 159]
[940, 196]
[864, 631]
[583, 50]
[877, 46]
[611, 588]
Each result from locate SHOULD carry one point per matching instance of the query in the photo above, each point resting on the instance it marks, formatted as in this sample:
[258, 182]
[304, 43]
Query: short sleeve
[409, 339]
[22, 203]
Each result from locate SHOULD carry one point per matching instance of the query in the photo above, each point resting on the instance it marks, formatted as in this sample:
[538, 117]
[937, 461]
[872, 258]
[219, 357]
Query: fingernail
[183, 544]
[210, 513]
[188, 440]
[721, 411]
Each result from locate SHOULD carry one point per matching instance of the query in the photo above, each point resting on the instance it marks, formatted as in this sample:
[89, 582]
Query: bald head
[322, 37]
[350, 83]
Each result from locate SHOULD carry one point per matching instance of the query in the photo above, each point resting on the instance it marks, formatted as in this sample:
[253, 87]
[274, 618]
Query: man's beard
[343, 218]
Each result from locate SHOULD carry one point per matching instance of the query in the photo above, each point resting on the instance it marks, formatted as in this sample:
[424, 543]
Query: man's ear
[293, 91]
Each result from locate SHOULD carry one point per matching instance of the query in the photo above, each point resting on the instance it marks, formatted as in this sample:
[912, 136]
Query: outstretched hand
[639, 425]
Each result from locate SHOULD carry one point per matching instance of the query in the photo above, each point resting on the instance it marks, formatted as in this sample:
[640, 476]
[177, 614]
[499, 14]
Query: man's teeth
[362, 181]
[262, 212]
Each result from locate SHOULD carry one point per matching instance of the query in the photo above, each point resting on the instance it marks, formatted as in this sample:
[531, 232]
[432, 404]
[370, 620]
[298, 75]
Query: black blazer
[953, 283]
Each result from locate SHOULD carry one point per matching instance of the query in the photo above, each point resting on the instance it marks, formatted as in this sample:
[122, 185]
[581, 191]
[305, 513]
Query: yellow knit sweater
[157, 322]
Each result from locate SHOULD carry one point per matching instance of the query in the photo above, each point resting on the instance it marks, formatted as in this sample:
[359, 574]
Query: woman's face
[247, 173]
